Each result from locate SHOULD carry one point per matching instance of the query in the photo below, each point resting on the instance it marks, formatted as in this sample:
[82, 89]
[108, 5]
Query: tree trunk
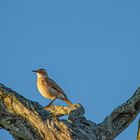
[28, 120]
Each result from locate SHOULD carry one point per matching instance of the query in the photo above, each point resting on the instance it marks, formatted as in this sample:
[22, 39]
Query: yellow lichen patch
[58, 110]
[8, 103]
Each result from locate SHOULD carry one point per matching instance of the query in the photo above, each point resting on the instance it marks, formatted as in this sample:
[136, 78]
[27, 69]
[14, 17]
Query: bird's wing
[52, 84]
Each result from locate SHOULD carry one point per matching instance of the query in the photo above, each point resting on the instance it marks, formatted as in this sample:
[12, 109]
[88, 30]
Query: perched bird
[49, 88]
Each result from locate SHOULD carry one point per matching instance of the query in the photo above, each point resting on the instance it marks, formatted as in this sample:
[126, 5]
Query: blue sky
[91, 48]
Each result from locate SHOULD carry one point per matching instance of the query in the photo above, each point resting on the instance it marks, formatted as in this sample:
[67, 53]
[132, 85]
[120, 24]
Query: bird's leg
[50, 102]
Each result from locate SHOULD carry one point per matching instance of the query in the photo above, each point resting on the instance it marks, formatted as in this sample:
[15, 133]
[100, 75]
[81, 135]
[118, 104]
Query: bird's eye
[42, 72]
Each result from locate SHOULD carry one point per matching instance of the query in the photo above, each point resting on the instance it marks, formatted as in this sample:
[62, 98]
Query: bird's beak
[34, 71]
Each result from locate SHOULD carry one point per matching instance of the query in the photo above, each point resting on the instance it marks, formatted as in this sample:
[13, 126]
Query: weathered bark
[27, 120]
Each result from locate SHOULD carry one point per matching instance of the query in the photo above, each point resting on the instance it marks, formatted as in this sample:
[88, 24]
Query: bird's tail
[68, 101]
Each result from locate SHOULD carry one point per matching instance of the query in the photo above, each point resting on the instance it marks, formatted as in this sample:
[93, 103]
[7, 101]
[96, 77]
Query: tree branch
[123, 115]
[27, 120]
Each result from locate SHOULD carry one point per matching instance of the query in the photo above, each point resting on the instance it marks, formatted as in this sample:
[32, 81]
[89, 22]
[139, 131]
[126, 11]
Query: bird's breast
[43, 89]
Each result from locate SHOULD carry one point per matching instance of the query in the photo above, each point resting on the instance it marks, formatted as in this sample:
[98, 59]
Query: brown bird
[49, 88]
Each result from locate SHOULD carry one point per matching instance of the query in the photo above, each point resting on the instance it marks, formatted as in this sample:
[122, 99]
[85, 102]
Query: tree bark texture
[28, 120]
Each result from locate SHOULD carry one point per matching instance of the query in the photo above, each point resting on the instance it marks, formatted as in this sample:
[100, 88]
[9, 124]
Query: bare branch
[27, 120]
[123, 115]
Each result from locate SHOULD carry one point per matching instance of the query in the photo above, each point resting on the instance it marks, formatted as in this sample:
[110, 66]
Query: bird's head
[41, 73]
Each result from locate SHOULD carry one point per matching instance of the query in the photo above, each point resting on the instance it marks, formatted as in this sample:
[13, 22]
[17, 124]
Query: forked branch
[28, 120]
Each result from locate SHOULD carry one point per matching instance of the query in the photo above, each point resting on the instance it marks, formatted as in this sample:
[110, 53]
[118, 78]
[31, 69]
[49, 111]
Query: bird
[48, 88]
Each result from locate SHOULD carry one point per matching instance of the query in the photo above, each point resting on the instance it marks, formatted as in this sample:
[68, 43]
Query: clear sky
[91, 48]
